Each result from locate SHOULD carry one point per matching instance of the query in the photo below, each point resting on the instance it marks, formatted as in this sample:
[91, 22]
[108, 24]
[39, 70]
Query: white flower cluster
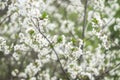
[3, 46]
[43, 39]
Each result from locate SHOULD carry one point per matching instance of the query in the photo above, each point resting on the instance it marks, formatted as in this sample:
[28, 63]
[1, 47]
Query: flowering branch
[102, 28]
[52, 47]
[107, 71]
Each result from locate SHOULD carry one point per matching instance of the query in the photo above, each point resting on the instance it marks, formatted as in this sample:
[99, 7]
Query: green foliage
[73, 16]
[44, 15]
[59, 39]
[95, 20]
[31, 32]
[73, 40]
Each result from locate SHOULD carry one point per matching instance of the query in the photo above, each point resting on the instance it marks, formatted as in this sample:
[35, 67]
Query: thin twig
[5, 19]
[106, 72]
[107, 23]
[102, 29]
[113, 69]
[52, 47]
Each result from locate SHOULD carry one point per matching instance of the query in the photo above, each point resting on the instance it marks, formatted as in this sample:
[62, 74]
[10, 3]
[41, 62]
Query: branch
[114, 68]
[52, 47]
[84, 21]
[84, 27]
[106, 72]
[4, 19]
[102, 28]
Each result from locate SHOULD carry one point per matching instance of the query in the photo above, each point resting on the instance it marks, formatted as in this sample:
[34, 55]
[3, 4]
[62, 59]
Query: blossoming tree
[59, 40]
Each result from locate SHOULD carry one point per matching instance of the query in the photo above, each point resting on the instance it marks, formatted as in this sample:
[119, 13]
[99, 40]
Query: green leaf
[71, 65]
[95, 20]
[73, 49]
[73, 40]
[44, 15]
[59, 39]
[44, 1]
[31, 32]
[51, 46]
